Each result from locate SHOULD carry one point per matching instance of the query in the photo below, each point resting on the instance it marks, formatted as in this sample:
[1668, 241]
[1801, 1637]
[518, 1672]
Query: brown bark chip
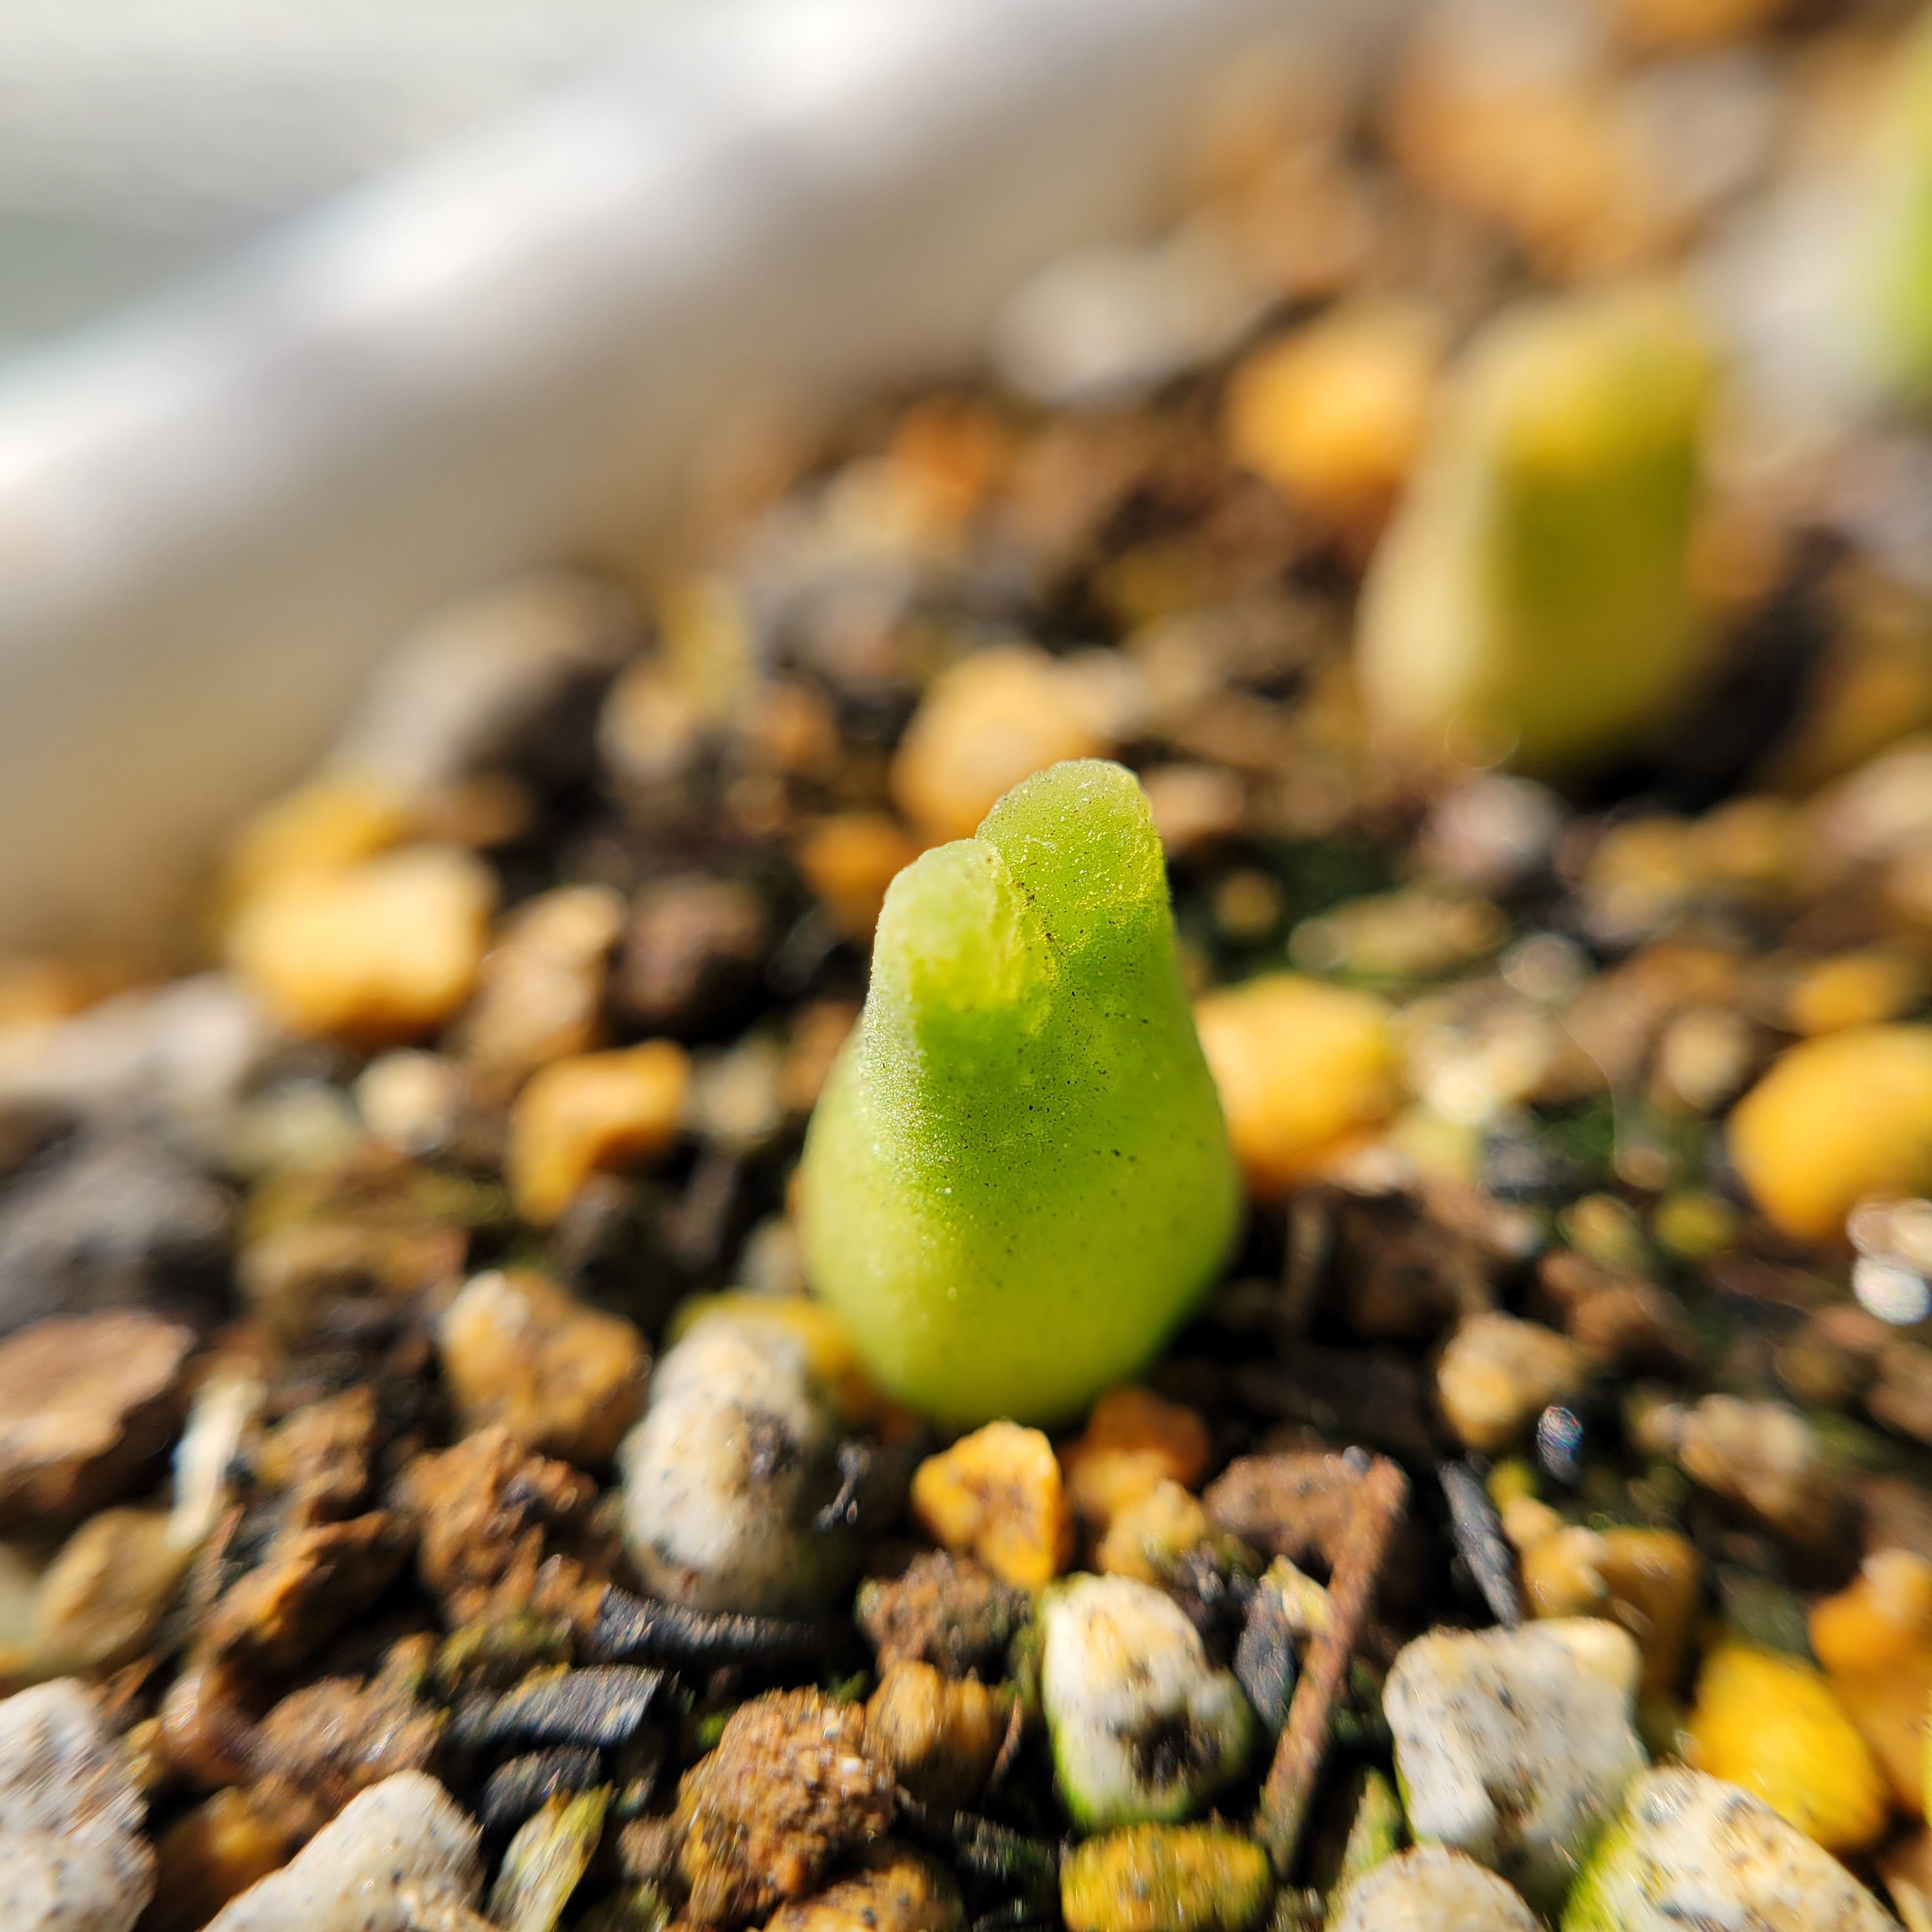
[1345, 1512]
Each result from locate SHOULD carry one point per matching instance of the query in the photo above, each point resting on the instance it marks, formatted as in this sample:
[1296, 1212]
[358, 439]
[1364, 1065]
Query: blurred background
[139, 144]
[308, 324]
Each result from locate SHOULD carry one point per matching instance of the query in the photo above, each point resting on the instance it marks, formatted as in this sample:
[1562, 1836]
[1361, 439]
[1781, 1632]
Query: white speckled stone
[1432, 1889]
[391, 1849]
[722, 1477]
[1515, 1745]
[1693, 1850]
[1144, 1728]
[72, 1857]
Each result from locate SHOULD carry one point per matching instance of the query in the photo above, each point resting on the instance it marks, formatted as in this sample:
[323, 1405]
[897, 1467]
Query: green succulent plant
[1018, 1181]
[1531, 601]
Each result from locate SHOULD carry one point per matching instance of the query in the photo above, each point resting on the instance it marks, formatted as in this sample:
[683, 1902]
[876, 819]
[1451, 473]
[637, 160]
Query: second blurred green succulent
[1531, 601]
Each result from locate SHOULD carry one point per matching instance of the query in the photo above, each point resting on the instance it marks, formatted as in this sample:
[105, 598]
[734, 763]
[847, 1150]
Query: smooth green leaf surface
[1018, 1181]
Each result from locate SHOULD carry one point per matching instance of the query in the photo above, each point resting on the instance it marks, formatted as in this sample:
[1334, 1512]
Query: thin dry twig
[1346, 1508]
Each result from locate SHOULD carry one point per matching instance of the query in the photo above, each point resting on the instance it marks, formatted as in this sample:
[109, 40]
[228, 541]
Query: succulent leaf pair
[1017, 1179]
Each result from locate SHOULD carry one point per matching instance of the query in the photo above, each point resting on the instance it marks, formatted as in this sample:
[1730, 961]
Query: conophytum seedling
[1018, 1181]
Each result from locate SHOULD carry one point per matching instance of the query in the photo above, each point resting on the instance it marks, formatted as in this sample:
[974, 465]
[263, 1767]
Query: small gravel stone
[1151, 1537]
[331, 821]
[944, 1611]
[1491, 832]
[849, 859]
[521, 1785]
[72, 1857]
[486, 1512]
[490, 680]
[1766, 1458]
[311, 1582]
[402, 1842]
[1835, 1120]
[590, 1114]
[375, 955]
[1132, 1441]
[629, 1629]
[998, 1493]
[348, 1248]
[172, 1059]
[1874, 1639]
[1497, 1374]
[736, 1102]
[1514, 1745]
[1620, 1322]
[940, 1735]
[217, 1850]
[1144, 1729]
[107, 1221]
[318, 1461]
[565, 1379]
[1900, 1398]
[1775, 1726]
[1304, 1068]
[722, 1478]
[1690, 1849]
[303, 1123]
[204, 1730]
[1196, 807]
[648, 1849]
[985, 723]
[101, 1597]
[894, 1890]
[601, 1706]
[1333, 413]
[540, 990]
[790, 1787]
[653, 728]
[1265, 1659]
[1431, 1889]
[86, 1404]
[1166, 1878]
[1650, 1581]
[340, 1735]
[412, 1101]
[1480, 1542]
[692, 954]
